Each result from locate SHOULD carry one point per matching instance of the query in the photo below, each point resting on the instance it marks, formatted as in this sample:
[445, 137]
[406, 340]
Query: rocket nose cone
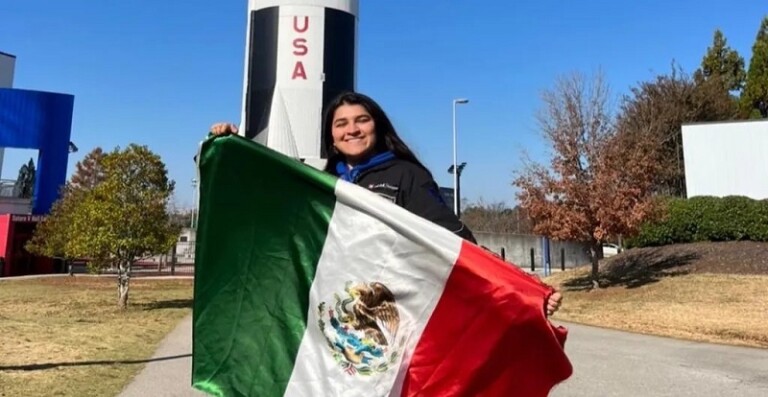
[350, 6]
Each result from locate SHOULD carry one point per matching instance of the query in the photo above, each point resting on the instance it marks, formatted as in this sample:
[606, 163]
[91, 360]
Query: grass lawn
[678, 292]
[64, 336]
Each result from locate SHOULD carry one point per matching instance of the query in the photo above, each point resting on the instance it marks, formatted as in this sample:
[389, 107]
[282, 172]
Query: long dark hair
[386, 136]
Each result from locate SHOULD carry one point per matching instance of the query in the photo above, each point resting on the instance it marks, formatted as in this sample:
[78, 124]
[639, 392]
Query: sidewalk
[169, 372]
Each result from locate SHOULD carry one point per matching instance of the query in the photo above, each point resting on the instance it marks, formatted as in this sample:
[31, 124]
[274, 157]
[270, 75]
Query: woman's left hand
[553, 303]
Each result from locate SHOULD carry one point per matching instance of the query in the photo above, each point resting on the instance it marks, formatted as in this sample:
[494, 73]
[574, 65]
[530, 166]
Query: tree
[121, 219]
[25, 183]
[599, 180]
[53, 234]
[496, 218]
[754, 98]
[723, 63]
[89, 172]
[657, 109]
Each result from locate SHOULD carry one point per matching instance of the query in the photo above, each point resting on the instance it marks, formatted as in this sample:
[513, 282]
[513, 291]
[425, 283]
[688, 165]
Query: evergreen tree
[25, 183]
[724, 63]
[754, 99]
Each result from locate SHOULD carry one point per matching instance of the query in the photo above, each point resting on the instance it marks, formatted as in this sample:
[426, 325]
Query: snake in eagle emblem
[362, 328]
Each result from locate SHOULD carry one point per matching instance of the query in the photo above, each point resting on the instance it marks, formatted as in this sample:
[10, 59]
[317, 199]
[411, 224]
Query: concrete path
[606, 363]
[611, 363]
[170, 372]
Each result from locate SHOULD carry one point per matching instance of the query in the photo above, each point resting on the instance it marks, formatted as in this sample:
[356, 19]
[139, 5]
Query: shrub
[706, 218]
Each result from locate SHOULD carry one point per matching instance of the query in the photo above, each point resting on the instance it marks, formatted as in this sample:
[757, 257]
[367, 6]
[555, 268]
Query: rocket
[299, 55]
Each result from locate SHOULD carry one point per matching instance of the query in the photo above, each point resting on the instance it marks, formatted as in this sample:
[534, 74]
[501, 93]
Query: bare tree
[496, 217]
[657, 110]
[599, 180]
[89, 172]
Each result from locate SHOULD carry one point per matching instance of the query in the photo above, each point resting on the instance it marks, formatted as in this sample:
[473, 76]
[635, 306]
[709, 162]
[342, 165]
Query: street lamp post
[455, 166]
[194, 204]
[457, 191]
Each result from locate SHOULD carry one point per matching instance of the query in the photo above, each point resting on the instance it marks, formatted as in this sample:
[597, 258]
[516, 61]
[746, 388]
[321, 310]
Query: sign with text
[27, 218]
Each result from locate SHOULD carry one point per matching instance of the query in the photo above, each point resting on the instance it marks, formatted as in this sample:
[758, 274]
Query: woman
[364, 148]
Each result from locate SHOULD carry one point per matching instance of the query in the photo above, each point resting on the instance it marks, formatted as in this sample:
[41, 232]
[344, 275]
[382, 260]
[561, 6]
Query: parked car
[610, 250]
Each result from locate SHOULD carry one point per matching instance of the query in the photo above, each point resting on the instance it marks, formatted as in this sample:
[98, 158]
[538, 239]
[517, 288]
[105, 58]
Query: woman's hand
[553, 303]
[223, 129]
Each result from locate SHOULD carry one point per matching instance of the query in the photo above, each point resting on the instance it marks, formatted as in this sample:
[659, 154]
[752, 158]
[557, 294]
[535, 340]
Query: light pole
[455, 166]
[194, 204]
[457, 191]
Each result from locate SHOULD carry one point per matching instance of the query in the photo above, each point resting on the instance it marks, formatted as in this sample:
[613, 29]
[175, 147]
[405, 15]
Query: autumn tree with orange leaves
[599, 180]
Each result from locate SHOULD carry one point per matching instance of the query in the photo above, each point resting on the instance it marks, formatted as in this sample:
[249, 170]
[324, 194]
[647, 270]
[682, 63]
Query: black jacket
[411, 187]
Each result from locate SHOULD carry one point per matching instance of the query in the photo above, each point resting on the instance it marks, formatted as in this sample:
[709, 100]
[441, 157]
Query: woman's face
[354, 133]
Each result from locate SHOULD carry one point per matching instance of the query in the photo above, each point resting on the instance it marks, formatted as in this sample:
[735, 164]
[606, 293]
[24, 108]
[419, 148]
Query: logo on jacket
[385, 186]
[385, 190]
[362, 327]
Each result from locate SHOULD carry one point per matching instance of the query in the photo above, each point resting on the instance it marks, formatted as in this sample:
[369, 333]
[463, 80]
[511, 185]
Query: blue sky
[160, 73]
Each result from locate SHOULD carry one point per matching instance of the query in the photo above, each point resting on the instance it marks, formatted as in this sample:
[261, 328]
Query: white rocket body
[300, 54]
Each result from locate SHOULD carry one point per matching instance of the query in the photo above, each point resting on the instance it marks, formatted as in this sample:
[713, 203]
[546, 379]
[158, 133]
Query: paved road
[610, 363]
[606, 363]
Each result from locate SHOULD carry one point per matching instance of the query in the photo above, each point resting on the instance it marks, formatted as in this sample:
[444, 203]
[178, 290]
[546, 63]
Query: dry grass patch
[64, 336]
[720, 308]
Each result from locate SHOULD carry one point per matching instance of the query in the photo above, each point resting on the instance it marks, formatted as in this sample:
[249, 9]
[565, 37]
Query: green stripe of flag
[258, 244]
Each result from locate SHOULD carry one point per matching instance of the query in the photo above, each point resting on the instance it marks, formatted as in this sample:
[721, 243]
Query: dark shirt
[407, 185]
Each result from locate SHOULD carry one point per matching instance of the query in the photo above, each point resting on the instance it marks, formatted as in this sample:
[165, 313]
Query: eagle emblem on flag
[362, 328]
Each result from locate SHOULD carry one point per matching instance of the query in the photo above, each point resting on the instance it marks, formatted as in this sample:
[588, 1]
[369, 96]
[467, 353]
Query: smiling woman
[365, 149]
[354, 132]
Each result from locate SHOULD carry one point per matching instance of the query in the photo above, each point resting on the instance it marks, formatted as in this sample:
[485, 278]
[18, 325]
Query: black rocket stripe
[339, 58]
[262, 71]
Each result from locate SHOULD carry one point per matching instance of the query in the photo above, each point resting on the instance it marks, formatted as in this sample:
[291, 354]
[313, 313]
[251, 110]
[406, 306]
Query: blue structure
[42, 121]
[546, 259]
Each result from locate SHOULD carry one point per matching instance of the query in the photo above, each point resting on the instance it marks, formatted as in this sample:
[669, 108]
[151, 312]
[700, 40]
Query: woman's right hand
[223, 129]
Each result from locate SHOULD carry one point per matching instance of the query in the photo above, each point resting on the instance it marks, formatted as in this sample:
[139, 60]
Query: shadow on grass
[44, 366]
[168, 304]
[636, 269]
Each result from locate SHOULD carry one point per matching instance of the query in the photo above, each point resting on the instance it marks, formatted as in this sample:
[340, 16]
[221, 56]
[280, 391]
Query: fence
[525, 250]
[179, 263]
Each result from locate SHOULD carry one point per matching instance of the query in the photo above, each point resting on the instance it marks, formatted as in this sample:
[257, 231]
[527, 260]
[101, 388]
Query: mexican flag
[307, 285]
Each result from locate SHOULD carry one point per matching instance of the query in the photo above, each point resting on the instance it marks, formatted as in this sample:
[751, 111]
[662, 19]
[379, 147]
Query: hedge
[706, 218]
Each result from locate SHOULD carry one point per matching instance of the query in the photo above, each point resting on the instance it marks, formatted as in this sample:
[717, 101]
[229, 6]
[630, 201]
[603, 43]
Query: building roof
[693, 123]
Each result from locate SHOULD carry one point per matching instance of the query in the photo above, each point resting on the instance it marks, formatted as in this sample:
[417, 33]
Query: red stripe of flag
[488, 335]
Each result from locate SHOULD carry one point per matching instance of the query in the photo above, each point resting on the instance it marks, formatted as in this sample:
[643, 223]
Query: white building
[185, 245]
[726, 159]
